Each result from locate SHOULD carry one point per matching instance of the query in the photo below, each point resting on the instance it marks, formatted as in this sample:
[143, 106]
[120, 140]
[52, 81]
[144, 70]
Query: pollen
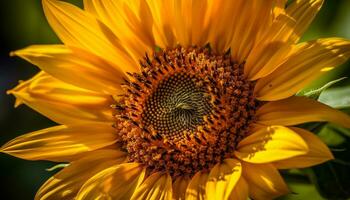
[185, 111]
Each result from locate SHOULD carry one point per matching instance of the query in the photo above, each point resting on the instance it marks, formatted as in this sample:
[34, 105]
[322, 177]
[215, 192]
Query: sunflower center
[177, 105]
[185, 111]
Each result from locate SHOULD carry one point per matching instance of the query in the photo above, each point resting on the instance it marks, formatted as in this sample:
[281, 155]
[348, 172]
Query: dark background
[23, 23]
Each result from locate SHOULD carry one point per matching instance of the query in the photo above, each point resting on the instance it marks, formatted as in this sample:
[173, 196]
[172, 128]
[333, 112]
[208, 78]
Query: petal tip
[18, 101]
[329, 156]
[5, 149]
[9, 92]
[12, 54]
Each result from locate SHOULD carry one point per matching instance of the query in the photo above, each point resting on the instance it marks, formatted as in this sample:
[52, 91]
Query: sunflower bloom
[181, 99]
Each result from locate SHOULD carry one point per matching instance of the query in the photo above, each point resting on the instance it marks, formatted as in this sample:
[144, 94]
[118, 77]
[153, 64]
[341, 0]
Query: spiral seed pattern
[185, 111]
[177, 105]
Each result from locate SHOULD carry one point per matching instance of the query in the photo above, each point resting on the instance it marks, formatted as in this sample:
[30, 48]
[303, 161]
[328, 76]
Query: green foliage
[332, 135]
[302, 191]
[331, 179]
[300, 186]
[336, 97]
[315, 94]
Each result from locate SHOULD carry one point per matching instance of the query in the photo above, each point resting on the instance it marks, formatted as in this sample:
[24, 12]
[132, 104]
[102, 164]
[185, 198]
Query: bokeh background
[23, 23]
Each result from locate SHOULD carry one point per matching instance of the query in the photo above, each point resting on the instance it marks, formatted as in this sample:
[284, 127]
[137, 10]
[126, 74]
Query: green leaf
[343, 131]
[315, 94]
[314, 127]
[300, 186]
[302, 191]
[333, 178]
[338, 98]
[339, 130]
[331, 135]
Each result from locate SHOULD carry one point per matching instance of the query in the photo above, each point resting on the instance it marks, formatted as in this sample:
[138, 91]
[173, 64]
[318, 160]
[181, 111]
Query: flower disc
[185, 111]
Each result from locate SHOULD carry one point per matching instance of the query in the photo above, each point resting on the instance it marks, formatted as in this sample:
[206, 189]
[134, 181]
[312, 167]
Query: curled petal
[317, 154]
[270, 144]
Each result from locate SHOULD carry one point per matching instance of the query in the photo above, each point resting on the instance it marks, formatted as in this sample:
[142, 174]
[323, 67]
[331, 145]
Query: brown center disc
[185, 111]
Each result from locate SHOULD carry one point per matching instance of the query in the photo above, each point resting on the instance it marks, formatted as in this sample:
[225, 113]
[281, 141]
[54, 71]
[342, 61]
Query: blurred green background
[23, 23]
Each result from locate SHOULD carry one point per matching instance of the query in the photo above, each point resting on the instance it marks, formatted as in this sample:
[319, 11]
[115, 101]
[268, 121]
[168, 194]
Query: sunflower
[178, 99]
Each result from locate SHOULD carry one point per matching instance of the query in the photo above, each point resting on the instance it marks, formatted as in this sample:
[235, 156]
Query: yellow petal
[117, 182]
[317, 154]
[254, 127]
[179, 188]
[251, 21]
[181, 21]
[196, 20]
[303, 12]
[186, 22]
[264, 180]
[222, 179]
[220, 31]
[61, 143]
[163, 16]
[66, 183]
[62, 102]
[270, 144]
[75, 66]
[279, 8]
[196, 187]
[271, 50]
[307, 62]
[81, 29]
[182, 11]
[298, 110]
[241, 190]
[130, 21]
[156, 186]
[202, 13]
